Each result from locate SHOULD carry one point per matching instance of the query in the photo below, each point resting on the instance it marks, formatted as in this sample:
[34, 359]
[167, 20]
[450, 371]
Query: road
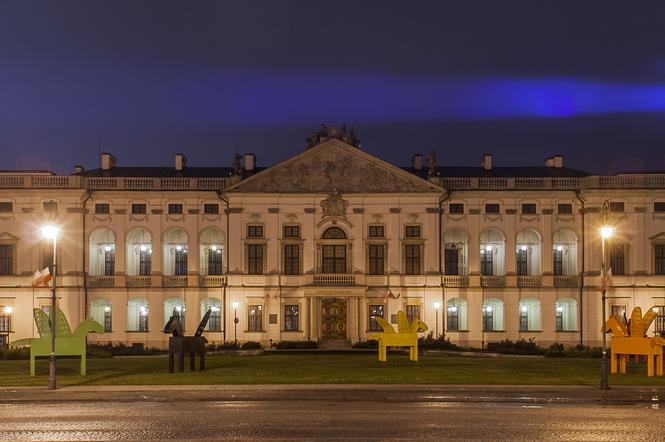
[394, 413]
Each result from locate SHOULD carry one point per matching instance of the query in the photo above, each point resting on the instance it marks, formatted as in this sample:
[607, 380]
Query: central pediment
[334, 166]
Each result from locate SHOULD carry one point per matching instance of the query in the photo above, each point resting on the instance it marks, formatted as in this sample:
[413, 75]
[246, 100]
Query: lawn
[319, 368]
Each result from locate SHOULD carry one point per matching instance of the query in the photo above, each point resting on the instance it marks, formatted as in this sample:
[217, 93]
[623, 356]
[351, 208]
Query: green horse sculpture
[66, 342]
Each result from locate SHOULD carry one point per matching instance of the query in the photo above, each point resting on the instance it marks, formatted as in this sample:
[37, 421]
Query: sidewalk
[534, 394]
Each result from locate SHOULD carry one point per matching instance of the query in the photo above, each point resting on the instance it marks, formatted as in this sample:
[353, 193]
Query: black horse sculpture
[181, 344]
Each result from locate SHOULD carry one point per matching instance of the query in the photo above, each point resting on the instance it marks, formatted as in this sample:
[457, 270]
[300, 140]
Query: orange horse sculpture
[633, 341]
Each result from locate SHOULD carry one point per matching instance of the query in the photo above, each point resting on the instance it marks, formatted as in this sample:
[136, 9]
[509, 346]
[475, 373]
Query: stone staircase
[334, 344]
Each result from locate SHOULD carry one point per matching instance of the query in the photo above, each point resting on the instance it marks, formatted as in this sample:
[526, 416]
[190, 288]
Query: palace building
[314, 247]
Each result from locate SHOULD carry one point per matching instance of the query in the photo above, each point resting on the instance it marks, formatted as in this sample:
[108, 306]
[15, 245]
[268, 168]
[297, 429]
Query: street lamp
[235, 323]
[436, 322]
[606, 232]
[50, 231]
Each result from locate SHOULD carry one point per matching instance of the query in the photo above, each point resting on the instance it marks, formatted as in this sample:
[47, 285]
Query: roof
[501, 172]
[162, 172]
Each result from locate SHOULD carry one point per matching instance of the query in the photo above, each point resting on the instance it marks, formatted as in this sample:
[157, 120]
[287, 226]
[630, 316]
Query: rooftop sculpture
[181, 344]
[66, 342]
[630, 339]
[406, 336]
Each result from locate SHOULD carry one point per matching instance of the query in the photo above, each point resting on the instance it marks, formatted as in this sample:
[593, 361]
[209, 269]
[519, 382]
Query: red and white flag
[41, 278]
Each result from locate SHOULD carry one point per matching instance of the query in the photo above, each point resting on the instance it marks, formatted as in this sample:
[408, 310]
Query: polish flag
[40, 279]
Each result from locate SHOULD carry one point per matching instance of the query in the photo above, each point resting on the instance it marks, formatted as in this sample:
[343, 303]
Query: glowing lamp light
[655, 309]
[213, 248]
[143, 310]
[178, 248]
[488, 248]
[559, 248]
[178, 308]
[235, 305]
[524, 309]
[107, 248]
[606, 231]
[50, 231]
[8, 310]
[523, 248]
[214, 309]
[452, 308]
[488, 309]
[107, 309]
[143, 248]
[559, 309]
[437, 305]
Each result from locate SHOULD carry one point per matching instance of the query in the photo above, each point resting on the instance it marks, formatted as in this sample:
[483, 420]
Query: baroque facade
[314, 247]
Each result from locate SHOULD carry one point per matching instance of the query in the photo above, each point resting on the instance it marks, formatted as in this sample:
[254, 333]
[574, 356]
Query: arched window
[137, 315]
[139, 252]
[566, 314]
[102, 252]
[564, 256]
[101, 312]
[215, 320]
[333, 256]
[456, 313]
[528, 253]
[493, 314]
[456, 252]
[211, 252]
[175, 252]
[529, 315]
[492, 252]
[334, 233]
[173, 307]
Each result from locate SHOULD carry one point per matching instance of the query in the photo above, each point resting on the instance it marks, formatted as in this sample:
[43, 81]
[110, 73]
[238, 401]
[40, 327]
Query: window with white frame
[102, 252]
[175, 252]
[566, 314]
[211, 252]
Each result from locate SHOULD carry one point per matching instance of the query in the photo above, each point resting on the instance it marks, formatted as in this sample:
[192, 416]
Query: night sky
[521, 80]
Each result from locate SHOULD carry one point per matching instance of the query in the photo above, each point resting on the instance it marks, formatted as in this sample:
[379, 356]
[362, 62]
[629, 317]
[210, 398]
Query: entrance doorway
[333, 319]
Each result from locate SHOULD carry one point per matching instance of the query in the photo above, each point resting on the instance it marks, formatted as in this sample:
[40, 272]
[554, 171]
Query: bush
[297, 345]
[14, 353]
[138, 349]
[521, 347]
[579, 351]
[251, 345]
[439, 343]
[366, 344]
[224, 346]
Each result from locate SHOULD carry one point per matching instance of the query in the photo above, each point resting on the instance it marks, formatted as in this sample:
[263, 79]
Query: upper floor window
[375, 232]
[175, 208]
[376, 262]
[6, 259]
[659, 259]
[412, 231]
[211, 208]
[492, 208]
[528, 208]
[255, 259]
[291, 259]
[618, 259]
[659, 206]
[456, 208]
[6, 207]
[412, 255]
[616, 206]
[139, 208]
[565, 208]
[291, 231]
[102, 208]
[50, 206]
[334, 233]
[254, 231]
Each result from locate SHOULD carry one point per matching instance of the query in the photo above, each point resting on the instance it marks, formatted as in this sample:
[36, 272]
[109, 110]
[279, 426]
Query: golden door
[333, 319]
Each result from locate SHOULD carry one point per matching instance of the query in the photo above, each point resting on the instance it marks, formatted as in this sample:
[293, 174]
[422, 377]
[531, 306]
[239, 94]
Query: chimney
[108, 161]
[557, 161]
[487, 161]
[417, 161]
[180, 161]
[250, 162]
[549, 162]
[78, 169]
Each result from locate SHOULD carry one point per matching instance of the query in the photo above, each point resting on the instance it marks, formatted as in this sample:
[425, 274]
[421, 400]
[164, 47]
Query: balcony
[567, 282]
[138, 282]
[104, 282]
[334, 280]
[493, 281]
[529, 282]
[212, 280]
[172, 281]
[456, 281]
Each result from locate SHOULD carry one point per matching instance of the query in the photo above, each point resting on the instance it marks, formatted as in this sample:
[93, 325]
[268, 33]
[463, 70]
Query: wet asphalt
[332, 413]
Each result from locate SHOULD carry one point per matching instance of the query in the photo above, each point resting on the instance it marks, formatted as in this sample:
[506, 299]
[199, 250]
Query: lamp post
[50, 231]
[606, 232]
[436, 322]
[235, 323]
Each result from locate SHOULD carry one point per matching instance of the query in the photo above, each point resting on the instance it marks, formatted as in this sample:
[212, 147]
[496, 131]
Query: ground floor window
[5, 319]
[101, 312]
[566, 314]
[618, 310]
[255, 318]
[456, 313]
[412, 312]
[291, 317]
[137, 315]
[493, 315]
[215, 319]
[659, 323]
[529, 315]
[373, 311]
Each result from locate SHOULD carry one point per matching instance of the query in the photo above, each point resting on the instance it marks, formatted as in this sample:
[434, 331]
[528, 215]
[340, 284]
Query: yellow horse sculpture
[406, 336]
[633, 341]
